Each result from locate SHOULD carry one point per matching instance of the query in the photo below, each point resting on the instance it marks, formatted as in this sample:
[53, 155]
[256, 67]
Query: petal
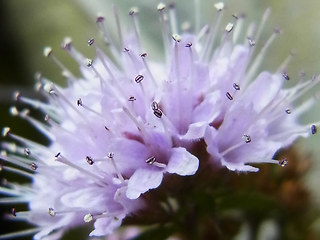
[182, 162]
[106, 225]
[143, 180]
[195, 131]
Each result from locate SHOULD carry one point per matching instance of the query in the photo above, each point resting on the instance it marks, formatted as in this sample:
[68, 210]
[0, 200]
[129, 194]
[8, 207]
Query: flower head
[118, 130]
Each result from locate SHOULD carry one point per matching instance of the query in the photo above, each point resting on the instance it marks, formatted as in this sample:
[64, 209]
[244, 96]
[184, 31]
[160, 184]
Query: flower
[117, 131]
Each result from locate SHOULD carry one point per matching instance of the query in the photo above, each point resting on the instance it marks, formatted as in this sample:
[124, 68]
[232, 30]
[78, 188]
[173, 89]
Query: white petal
[143, 180]
[182, 162]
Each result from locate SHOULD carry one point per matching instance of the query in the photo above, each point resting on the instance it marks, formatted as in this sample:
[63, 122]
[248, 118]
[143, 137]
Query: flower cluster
[117, 131]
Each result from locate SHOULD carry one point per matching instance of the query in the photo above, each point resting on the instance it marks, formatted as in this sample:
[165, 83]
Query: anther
[110, 155]
[161, 7]
[246, 138]
[88, 218]
[47, 51]
[143, 55]
[219, 6]
[314, 129]
[151, 160]
[157, 113]
[34, 166]
[283, 162]
[51, 212]
[46, 117]
[66, 43]
[79, 102]
[57, 155]
[189, 44]
[235, 16]
[100, 19]
[13, 212]
[154, 105]
[139, 78]
[132, 99]
[17, 96]
[229, 96]
[27, 152]
[285, 76]
[288, 111]
[89, 160]
[89, 62]
[90, 41]
[229, 27]
[236, 86]
[5, 131]
[125, 49]
[133, 11]
[176, 37]
[251, 42]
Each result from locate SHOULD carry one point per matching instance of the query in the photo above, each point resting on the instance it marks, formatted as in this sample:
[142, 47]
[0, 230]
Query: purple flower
[117, 131]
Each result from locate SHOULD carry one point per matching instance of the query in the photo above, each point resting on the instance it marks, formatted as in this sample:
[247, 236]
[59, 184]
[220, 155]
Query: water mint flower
[130, 121]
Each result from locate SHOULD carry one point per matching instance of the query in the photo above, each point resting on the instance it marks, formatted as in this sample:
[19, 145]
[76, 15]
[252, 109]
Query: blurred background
[27, 26]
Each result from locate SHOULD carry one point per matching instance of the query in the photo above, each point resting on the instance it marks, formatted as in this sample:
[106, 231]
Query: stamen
[97, 179]
[259, 58]
[152, 161]
[173, 18]
[20, 233]
[116, 15]
[288, 111]
[111, 157]
[133, 13]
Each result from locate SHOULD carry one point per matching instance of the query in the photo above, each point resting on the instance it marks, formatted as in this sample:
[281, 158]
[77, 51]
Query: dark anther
[132, 99]
[283, 162]
[251, 42]
[285, 76]
[126, 49]
[229, 96]
[236, 86]
[151, 160]
[157, 113]
[90, 41]
[57, 155]
[247, 138]
[314, 129]
[288, 111]
[138, 78]
[89, 62]
[13, 212]
[79, 102]
[27, 152]
[100, 19]
[34, 166]
[110, 155]
[154, 105]
[89, 160]
[143, 55]
[189, 44]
